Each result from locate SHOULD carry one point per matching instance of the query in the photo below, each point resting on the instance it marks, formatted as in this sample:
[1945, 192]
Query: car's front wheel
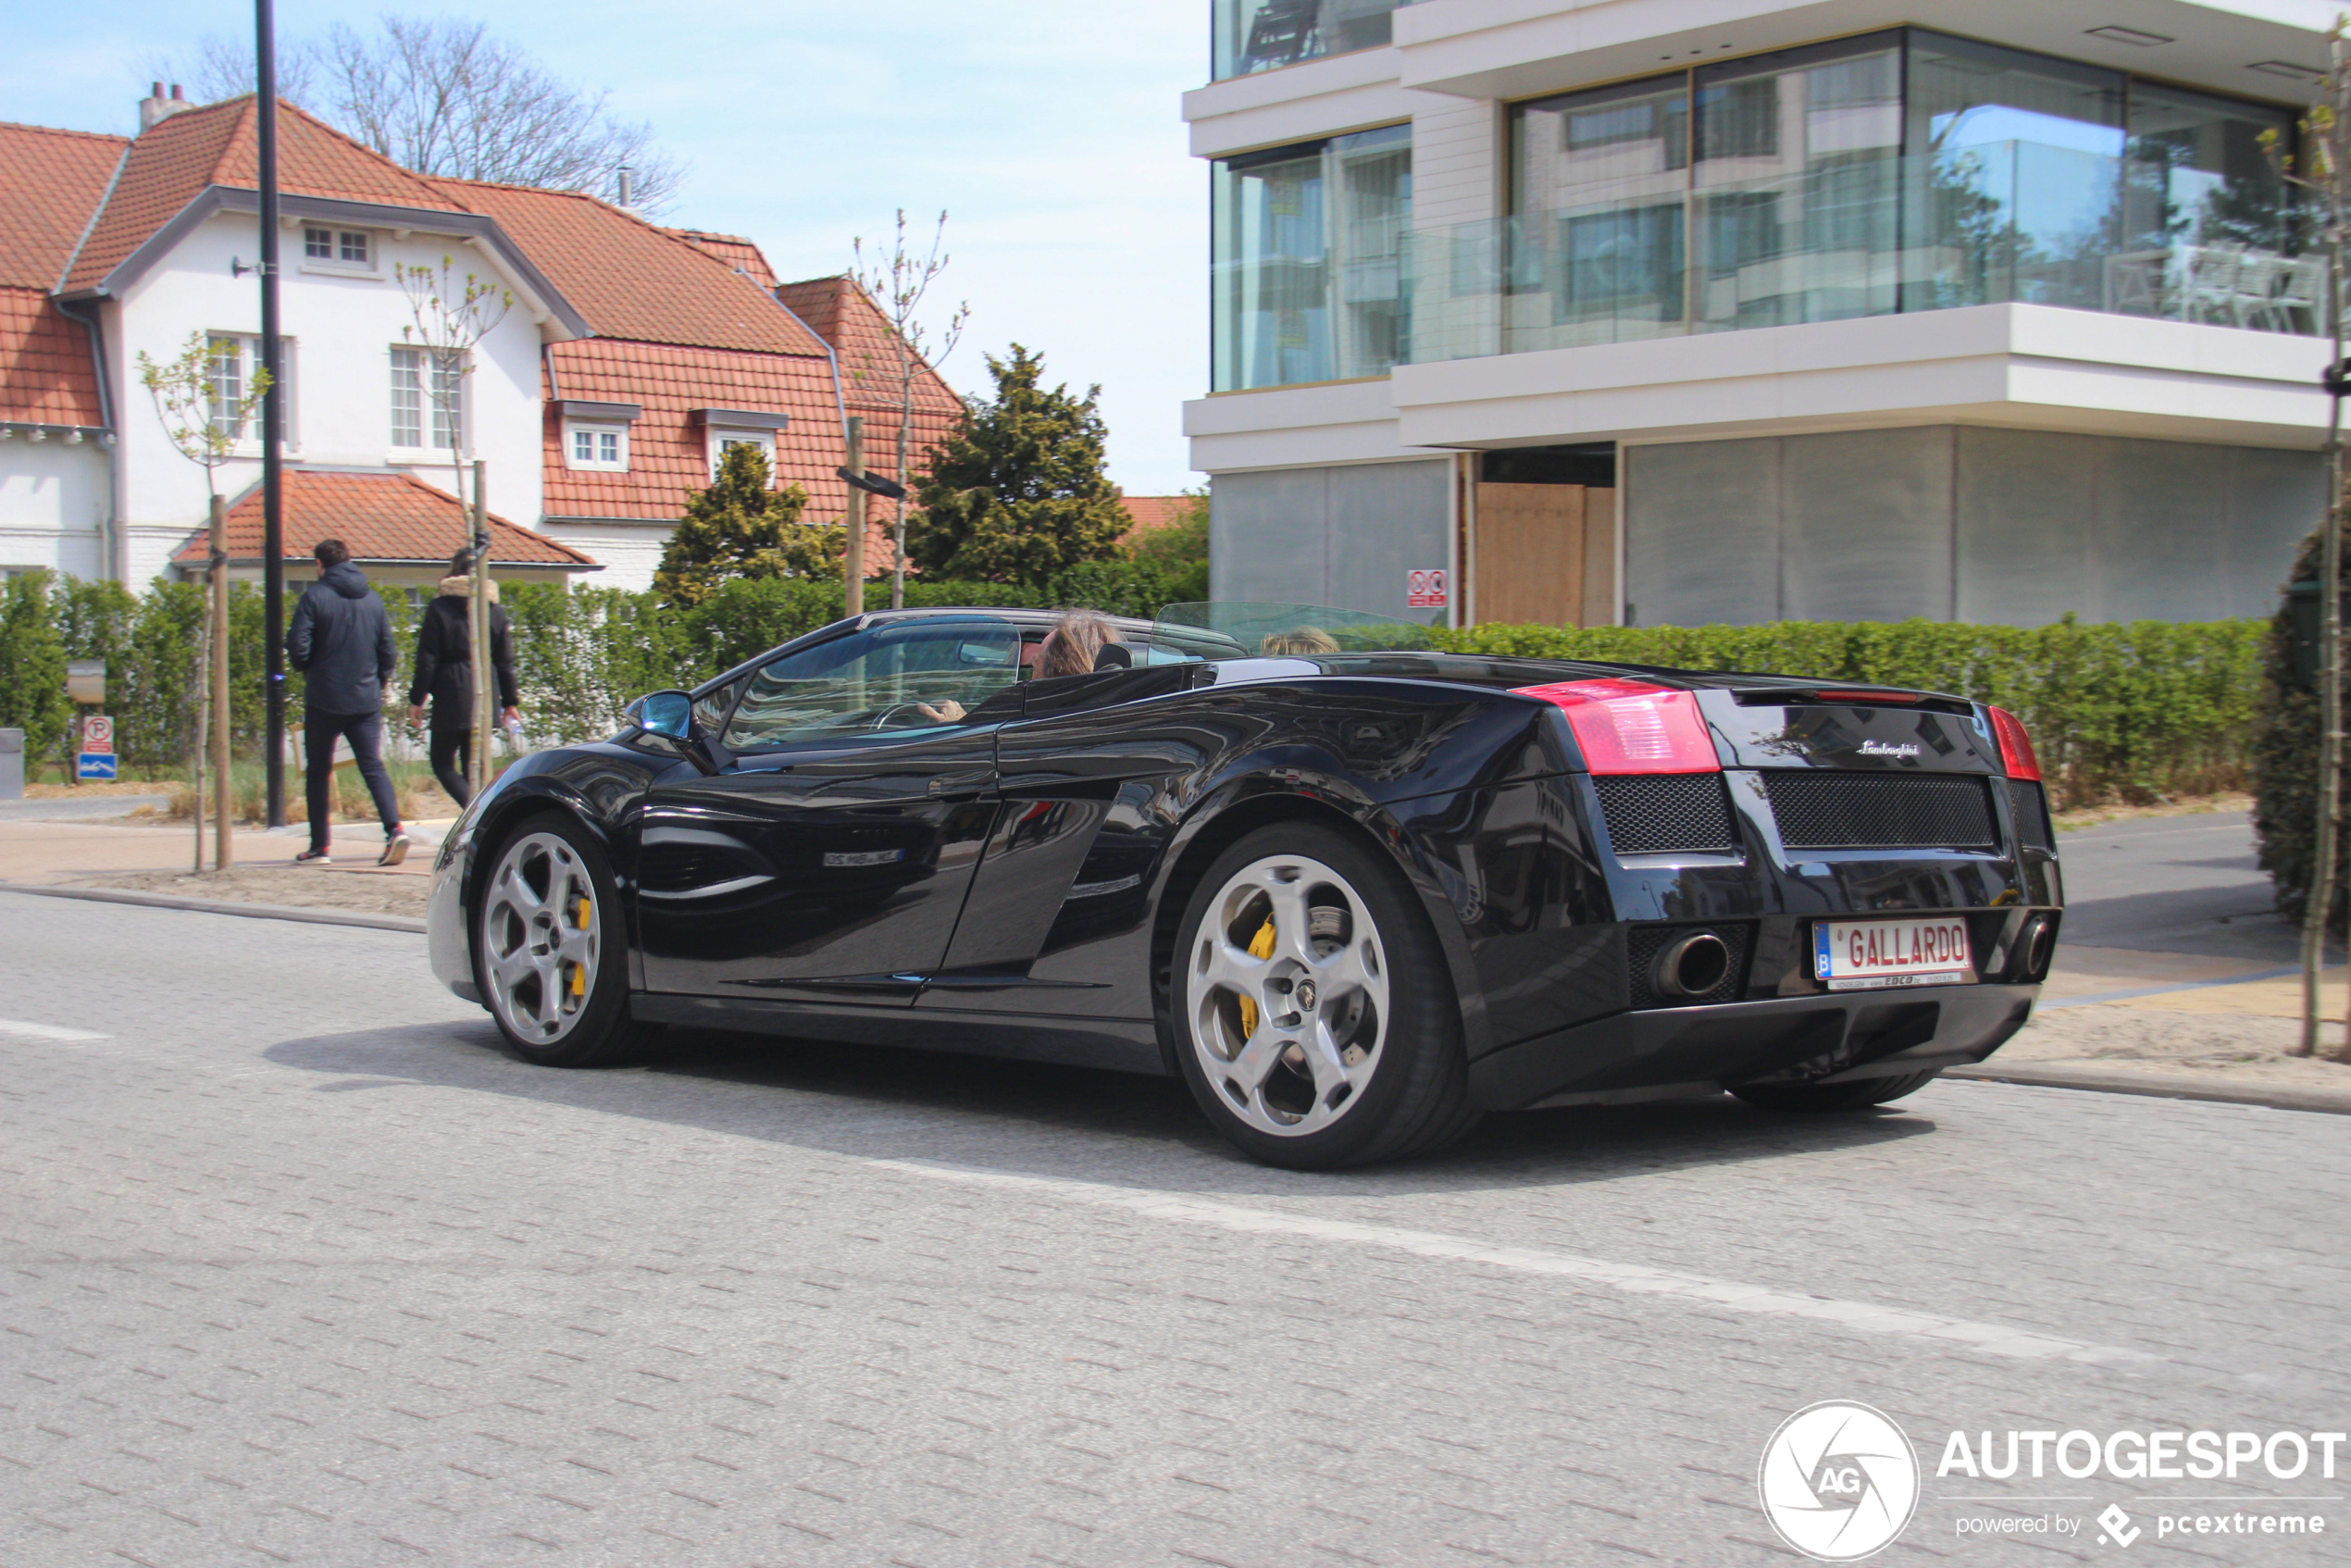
[549, 948]
[1857, 1095]
[1312, 1013]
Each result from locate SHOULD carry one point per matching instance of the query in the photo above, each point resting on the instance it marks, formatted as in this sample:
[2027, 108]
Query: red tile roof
[390, 518]
[44, 363]
[174, 160]
[669, 452]
[631, 279]
[1152, 512]
[732, 249]
[840, 312]
[50, 183]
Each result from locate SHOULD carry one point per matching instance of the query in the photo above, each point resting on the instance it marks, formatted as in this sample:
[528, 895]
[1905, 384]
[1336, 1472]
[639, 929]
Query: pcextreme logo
[1838, 1480]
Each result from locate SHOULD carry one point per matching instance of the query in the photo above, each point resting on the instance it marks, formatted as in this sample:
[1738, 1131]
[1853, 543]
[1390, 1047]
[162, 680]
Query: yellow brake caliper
[579, 971]
[1260, 946]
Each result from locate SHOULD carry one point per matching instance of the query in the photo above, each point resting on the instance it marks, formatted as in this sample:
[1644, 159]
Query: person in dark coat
[340, 639]
[445, 674]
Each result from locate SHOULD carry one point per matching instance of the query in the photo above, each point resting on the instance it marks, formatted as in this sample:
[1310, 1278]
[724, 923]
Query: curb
[2277, 1097]
[403, 923]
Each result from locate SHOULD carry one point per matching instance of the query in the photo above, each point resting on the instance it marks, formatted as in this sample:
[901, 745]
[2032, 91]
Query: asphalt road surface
[299, 1268]
[2173, 884]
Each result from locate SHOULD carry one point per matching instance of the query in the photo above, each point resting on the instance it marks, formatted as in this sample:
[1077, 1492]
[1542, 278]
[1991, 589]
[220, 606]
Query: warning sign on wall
[1425, 589]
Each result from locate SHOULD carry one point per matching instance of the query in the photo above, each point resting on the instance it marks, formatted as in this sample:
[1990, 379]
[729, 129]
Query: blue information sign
[94, 765]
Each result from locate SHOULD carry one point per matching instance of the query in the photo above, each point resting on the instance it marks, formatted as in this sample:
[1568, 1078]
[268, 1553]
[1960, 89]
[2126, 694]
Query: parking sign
[97, 733]
[1425, 587]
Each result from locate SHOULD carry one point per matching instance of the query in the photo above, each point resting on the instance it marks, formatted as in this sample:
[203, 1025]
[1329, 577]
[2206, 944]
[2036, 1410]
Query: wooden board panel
[1531, 553]
[1601, 594]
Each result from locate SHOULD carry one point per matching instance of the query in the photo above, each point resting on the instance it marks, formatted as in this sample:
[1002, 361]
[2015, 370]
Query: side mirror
[666, 713]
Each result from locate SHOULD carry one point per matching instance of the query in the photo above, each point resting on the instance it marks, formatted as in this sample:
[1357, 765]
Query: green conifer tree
[742, 528]
[1017, 493]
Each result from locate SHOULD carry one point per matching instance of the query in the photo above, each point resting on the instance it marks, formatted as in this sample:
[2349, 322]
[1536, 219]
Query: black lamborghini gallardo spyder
[1354, 890]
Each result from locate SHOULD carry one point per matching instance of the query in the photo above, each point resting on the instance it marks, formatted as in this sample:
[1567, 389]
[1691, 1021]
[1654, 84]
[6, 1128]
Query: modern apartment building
[1667, 312]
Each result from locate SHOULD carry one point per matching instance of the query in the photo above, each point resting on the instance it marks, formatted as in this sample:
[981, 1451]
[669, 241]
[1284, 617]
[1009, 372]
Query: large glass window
[1798, 155]
[917, 675]
[2020, 165]
[1308, 249]
[1253, 35]
[1894, 171]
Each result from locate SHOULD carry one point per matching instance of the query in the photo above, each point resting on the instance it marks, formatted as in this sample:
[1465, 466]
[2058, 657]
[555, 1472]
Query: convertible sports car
[1355, 891]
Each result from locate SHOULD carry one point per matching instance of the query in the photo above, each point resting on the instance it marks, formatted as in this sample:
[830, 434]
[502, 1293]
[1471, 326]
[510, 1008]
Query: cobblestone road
[298, 1268]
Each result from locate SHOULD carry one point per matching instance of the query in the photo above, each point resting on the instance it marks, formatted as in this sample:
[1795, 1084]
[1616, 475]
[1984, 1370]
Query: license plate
[1854, 956]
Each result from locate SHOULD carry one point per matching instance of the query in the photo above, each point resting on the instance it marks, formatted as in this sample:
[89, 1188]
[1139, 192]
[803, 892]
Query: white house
[629, 357]
[1659, 312]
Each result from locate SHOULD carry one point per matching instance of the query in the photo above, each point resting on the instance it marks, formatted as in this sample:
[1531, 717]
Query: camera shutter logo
[1839, 1481]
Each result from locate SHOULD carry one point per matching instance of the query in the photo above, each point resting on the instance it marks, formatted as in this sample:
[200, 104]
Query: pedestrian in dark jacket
[340, 639]
[445, 674]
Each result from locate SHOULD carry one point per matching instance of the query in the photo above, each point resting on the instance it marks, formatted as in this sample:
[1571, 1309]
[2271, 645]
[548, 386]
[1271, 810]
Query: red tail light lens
[1632, 727]
[2016, 746]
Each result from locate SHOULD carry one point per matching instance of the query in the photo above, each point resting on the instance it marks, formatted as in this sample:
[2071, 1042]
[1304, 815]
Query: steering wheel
[881, 719]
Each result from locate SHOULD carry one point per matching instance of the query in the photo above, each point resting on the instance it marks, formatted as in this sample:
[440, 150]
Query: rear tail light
[1632, 727]
[2016, 746]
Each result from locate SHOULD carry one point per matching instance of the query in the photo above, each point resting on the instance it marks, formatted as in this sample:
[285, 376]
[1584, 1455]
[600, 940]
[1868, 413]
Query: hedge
[2129, 711]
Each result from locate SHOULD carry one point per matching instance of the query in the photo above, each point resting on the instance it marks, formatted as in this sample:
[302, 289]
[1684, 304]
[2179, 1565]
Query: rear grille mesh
[1865, 811]
[2031, 809]
[1667, 812]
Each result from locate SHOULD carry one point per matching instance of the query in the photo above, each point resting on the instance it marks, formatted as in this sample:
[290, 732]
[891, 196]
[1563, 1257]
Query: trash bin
[11, 764]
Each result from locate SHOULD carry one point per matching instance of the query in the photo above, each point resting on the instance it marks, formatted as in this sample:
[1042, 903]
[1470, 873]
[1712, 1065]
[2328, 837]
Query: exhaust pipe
[1691, 966]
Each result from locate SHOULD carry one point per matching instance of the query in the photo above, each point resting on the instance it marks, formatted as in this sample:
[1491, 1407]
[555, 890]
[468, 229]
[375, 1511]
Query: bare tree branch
[446, 97]
[896, 281]
[217, 68]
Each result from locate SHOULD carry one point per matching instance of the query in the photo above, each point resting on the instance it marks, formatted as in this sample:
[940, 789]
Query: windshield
[908, 674]
[1236, 629]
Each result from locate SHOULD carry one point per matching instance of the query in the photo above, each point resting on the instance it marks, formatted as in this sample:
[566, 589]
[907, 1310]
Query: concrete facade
[2007, 462]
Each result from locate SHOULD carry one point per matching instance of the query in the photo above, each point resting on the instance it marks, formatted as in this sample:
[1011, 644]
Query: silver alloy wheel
[540, 940]
[1286, 994]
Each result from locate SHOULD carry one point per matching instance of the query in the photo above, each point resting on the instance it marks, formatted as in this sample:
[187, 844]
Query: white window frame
[248, 440]
[724, 436]
[334, 261]
[430, 428]
[597, 431]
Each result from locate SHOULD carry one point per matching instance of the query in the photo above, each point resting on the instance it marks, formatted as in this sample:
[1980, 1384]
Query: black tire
[1403, 1093]
[1857, 1095]
[582, 1019]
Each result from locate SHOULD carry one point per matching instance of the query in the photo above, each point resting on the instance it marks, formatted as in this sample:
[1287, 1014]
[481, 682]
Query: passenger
[1305, 641]
[1072, 647]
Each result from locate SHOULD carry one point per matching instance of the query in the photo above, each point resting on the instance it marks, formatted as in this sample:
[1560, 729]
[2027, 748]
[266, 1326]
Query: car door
[829, 858]
[1057, 920]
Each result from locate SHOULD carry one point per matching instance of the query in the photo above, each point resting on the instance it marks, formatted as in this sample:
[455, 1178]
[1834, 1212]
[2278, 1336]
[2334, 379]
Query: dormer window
[595, 435]
[338, 250]
[724, 428]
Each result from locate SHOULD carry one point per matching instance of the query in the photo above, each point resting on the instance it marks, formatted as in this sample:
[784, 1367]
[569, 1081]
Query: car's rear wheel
[1857, 1095]
[550, 948]
[1313, 1014]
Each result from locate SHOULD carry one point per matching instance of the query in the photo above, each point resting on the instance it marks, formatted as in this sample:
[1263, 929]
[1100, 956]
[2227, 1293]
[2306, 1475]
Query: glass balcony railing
[1254, 35]
[1994, 223]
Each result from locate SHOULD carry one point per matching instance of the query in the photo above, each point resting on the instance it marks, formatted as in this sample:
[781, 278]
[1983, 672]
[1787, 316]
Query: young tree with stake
[897, 282]
[2323, 174]
[204, 411]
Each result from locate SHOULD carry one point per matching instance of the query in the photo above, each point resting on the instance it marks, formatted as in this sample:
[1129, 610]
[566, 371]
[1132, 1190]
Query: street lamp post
[273, 421]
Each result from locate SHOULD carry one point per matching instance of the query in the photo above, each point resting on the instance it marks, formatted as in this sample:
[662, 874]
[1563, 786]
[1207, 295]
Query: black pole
[273, 417]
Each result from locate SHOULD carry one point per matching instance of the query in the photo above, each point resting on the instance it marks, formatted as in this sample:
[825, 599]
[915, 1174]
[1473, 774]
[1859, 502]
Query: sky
[1049, 131]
